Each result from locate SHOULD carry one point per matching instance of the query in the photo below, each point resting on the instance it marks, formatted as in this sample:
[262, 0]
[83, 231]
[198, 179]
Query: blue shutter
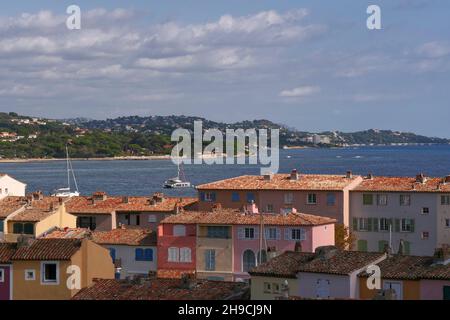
[139, 254]
[112, 252]
[278, 232]
[213, 197]
[202, 196]
[148, 254]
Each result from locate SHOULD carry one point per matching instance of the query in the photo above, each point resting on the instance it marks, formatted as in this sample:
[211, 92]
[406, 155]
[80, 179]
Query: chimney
[420, 178]
[125, 199]
[447, 179]
[370, 176]
[442, 255]
[294, 175]
[251, 208]
[38, 195]
[268, 176]
[98, 197]
[349, 175]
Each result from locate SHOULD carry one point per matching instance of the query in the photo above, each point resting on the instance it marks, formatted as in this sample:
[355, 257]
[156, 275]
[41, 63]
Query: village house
[6, 252]
[9, 206]
[103, 213]
[11, 187]
[224, 244]
[164, 289]
[34, 216]
[388, 210]
[39, 269]
[411, 278]
[328, 273]
[133, 250]
[319, 194]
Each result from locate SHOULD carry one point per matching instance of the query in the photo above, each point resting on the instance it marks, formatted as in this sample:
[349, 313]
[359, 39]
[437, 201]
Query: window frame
[235, 197]
[152, 218]
[174, 250]
[365, 223]
[333, 196]
[422, 211]
[404, 203]
[33, 272]
[268, 235]
[184, 255]
[44, 281]
[445, 200]
[312, 195]
[365, 197]
[288, 198]
[403, 224]
[381, 196]
[301, 233]
[270, 208]
[251, 231]
[210, 260]
[179, 230]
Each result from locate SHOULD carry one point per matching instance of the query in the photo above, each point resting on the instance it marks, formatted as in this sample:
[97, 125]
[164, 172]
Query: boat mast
[68, 167]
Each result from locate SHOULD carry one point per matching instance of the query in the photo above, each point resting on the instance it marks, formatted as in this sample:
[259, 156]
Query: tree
[343, 237]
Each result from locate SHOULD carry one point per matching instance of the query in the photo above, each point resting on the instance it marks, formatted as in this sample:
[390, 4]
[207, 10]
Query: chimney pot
[349, 175]
[294, 175]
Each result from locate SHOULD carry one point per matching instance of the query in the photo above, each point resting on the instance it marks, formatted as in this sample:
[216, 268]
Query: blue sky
[312, 65]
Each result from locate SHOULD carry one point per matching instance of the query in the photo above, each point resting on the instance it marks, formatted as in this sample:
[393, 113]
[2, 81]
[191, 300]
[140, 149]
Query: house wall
[393, 210]
[5, 285]
[143, 217]
[322, 236]
[410, 289]
[432, 289]
[443, 232]
[166, 239]
[60, 219]
[15, 187]
[339, 285]
[129, 264]
[257, 287]
[104, 222]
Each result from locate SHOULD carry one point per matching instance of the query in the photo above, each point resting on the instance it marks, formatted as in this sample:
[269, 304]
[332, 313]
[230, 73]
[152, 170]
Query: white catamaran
[67, 192]
[180, 180]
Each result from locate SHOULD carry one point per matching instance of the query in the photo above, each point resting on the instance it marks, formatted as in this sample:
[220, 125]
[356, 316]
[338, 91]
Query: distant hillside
[32, 137]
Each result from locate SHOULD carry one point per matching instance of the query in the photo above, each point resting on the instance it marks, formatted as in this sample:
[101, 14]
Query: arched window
[179, 230]
[248, 260]
[262, 257]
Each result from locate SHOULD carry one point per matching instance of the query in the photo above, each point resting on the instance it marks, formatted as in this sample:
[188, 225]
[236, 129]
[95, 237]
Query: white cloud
[300, 92]
[434, 49]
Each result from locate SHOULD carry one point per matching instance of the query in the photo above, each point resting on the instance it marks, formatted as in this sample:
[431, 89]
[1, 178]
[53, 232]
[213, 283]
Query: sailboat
[67, 192]
[180, 180]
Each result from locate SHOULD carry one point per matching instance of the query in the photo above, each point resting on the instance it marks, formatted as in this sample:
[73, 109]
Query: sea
[144, 177]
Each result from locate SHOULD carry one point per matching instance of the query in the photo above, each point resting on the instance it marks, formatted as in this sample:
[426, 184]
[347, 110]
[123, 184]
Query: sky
[311, 65]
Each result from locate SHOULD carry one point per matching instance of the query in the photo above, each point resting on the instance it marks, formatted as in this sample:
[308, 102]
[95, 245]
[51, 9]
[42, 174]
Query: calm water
[146, 177]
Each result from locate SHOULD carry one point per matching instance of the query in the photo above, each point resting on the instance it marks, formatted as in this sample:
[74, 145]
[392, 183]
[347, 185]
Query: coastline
[163, 157]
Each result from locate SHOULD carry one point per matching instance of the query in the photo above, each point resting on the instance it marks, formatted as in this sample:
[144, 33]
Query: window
[275, 288]
[18, 228]
[250, 197]
[139, 254]
[267, 287]
[208, 196]
[331, 199]
[28, 228]
[269, 208]
[249, 233]
[173, 254]
[425, 235]
[6, 190]
[425, 211]
[262, 257]
[210, 260]
[30, 275]
[49, 273]
[447, 223]
[87, 223]
[384, 224]
[2, 225]
[381, 199]
[112, 253]
[296, 234]
[363, 224]
[235, 197]
[272, 233]
[152, 218]
[185, 255]
[405, 200]
[138, 220]
[407, 225]
[311, 199]
[219, 232]
[288, 198]
[249, 260]
[179, 231]
[2, 275]
[367, 199]
[445, 200]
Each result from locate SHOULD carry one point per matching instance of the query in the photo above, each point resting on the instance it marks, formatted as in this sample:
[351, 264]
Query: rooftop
[48, 249]
[163, 289]
[10, 205]
[282, 182]
[37, 210]
[6, 252]
[325, 260]
[403, 184]
[233, 217]
[412, 268]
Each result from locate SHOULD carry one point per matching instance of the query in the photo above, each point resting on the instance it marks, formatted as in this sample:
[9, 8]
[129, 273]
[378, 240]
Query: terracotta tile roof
[412, 268]
[125, 236]
[87, 205]
[173, 274]
[337, 262]
[233, 217]
[10, 205]
[130, 237]
[37, 210]
[48, 249]
[163, 289]
[7, 250]
[282, 182]
[402, 184]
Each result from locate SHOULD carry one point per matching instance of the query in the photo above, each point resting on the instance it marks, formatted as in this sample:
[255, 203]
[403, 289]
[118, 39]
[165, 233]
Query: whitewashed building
[11, 187]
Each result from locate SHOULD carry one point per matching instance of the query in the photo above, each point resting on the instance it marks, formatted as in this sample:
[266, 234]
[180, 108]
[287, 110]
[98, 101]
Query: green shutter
[397, 225]
[369, 224]
[355, 224]
[412, 225]
[375, 224]
[381, 245]
[407, 247]
[362, 245]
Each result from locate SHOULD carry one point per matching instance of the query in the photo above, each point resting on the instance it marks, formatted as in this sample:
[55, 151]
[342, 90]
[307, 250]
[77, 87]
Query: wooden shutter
[375, 224]
[407, 247]
[412, 225]
[369, 224]
[355, 224]
[381, 245]
[397, 225]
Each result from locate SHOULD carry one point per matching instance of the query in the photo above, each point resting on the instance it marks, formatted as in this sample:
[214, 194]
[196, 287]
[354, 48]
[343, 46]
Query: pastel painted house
[9, 206]
[411, 278]
[324, 195]
[228, 243]
[133, 251]
[6, 252]
[411, 210]
[41, 267]
[11, 187]
[328, 273]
